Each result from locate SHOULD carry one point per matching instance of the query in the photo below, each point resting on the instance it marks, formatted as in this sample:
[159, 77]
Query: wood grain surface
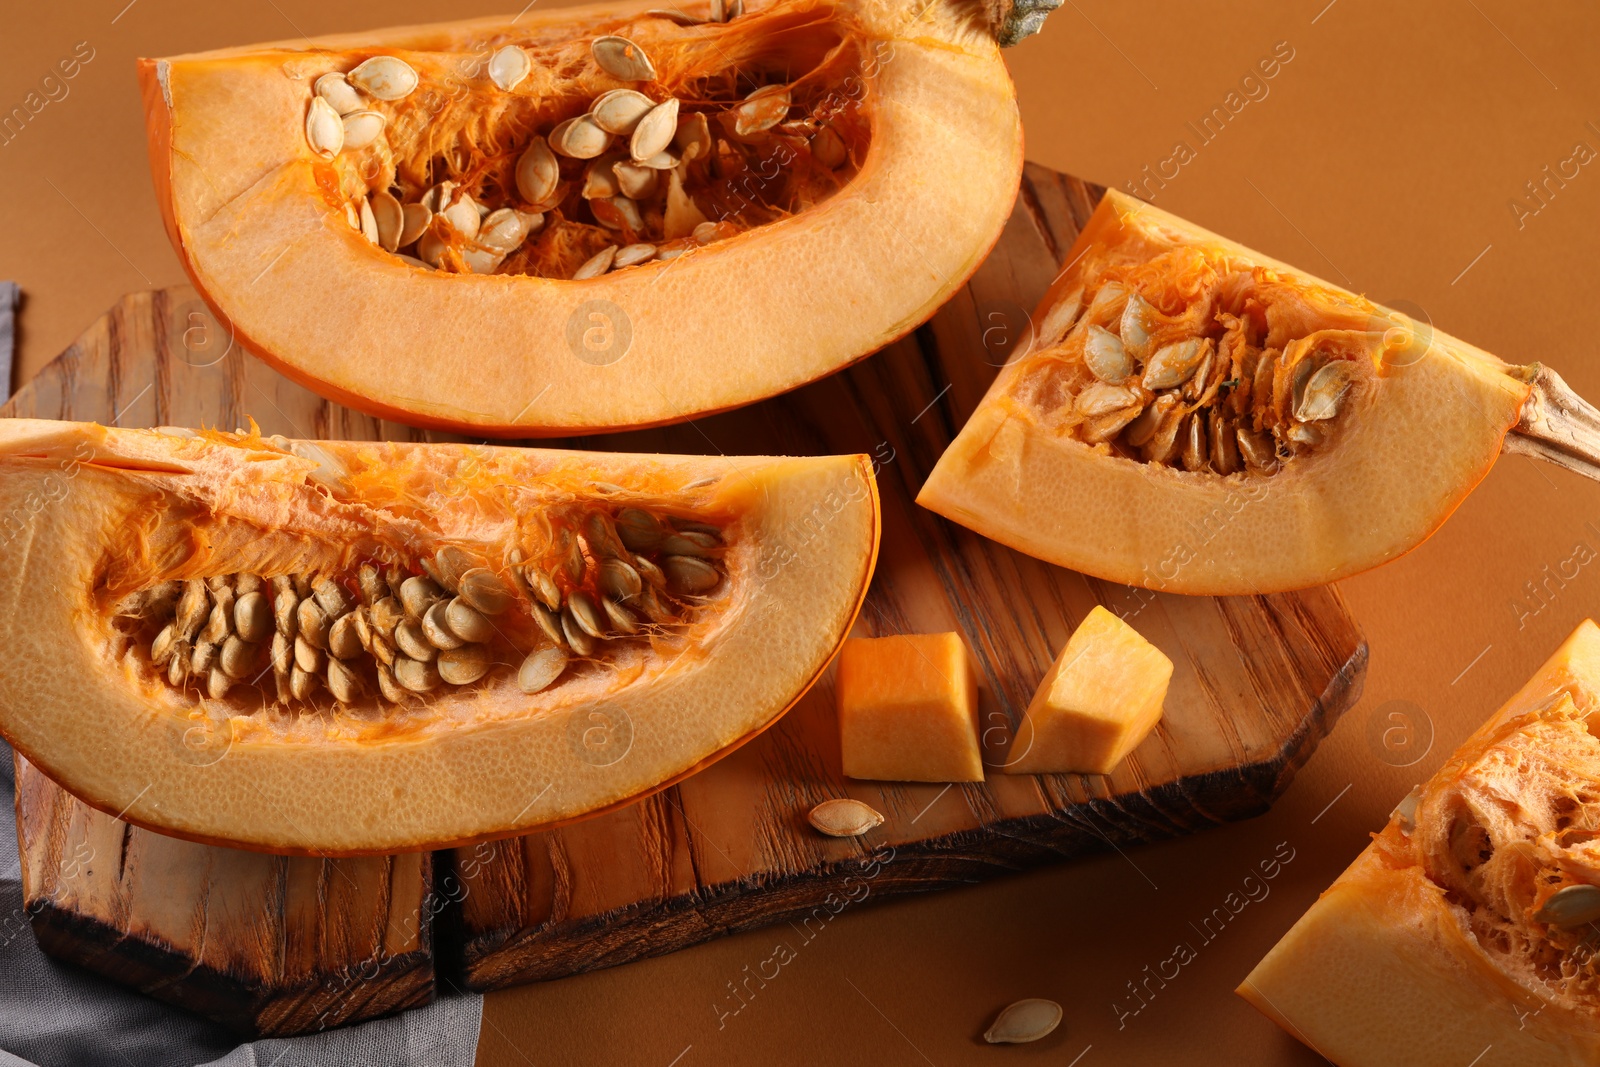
[1257, 682]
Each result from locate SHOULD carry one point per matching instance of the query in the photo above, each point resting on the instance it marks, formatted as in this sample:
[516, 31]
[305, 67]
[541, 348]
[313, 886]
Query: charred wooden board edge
[495, 961]
[250, 1009]
[253, 1008]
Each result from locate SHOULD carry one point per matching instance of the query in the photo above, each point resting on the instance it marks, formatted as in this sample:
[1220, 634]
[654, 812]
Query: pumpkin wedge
[1465, 932]
[590, 218]
[342, 647]
[1195, 417]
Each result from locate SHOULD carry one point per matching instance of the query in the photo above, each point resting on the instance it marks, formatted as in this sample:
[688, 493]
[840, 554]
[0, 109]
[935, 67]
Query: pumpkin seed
[620, 110]
[449, 563]
[543, 587]
[579, 641]
[596, 264]
[437, 630]
[1059, 320]
[1105, 356]
[331, 597]
[542, 667]
[413, 642]
[1224, 444]
[1324, 391]
[1145, 425]
[465, 621]
[622, 620]
[307, 657]
[202, 656]
[1573, 905]
[622, 59]
[464, 665]
[1256, 449]
[219, 624]
[338, 92]
[828, 148]
[390, 218]
[384, 77]
[618, 580]
[368, 221]
[178, 665]
[385, 616]
[844, 817]
[418, 593]
[485, 591]
[416, 675]
[361, 128]
[503, 231]
[1024, 1021]
[655, 131]
[586, 613]
[678, 17]
[162, 647]
[388, 688]
[1174, 364]
[282, 653]
[1101, 399]
[689, 574]
[238, 657]
[660, 161]
[1195, 453]
[633, 255]
[509, 66]
[689, 543]
[599, 180]
[617, 213]
[311, 623]
[761, 110]
[343, 683]
[414, 222]
[252, 619]
[246, 583]
[538, 172]
[344, 639]
[302, 683]
[324, 129]
[218, 683]
[579, 138]
[1405, 812]
[463, 217]
[1138, 319]
[636, 181]
[550, 623]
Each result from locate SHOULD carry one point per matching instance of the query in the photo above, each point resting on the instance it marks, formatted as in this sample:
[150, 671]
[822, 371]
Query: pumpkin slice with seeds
[1466, 931]
[591, 218]
[341, 647]
[1194, 417]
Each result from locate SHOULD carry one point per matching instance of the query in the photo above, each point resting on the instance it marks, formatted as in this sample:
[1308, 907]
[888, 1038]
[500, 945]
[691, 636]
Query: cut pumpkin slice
[590, 218]
[1465, 932]
[341, 647]
[1195, 417]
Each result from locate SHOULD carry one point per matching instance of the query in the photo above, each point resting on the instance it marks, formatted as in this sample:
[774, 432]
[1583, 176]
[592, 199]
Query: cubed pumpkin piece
[908, 709]
[1102, 696]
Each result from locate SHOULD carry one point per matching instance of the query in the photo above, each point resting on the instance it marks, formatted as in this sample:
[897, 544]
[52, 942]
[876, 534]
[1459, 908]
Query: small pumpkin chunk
[1102, 696]
[908, 709]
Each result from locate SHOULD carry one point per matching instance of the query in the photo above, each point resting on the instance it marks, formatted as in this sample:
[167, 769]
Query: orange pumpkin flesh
[824, 265]
[1041, 468]
[1435, 945]
[101, 517]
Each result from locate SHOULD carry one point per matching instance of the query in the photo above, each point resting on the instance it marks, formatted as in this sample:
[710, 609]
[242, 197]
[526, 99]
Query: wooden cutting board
[276, 945]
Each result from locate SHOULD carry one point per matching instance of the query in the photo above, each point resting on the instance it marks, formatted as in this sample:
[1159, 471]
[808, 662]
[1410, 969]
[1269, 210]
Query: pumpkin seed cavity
[396, 632]
[1140, 366]
[682, 146]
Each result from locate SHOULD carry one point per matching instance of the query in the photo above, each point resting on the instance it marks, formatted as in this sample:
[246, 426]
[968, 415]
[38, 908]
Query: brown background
[1384, 156]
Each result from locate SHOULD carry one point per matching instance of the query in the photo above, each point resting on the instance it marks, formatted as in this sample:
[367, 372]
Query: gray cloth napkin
[55, 1015]
[10, 296]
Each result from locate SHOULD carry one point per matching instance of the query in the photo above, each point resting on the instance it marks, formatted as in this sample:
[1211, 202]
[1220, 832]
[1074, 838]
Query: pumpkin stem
[1557, 425]
[1016, 20]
